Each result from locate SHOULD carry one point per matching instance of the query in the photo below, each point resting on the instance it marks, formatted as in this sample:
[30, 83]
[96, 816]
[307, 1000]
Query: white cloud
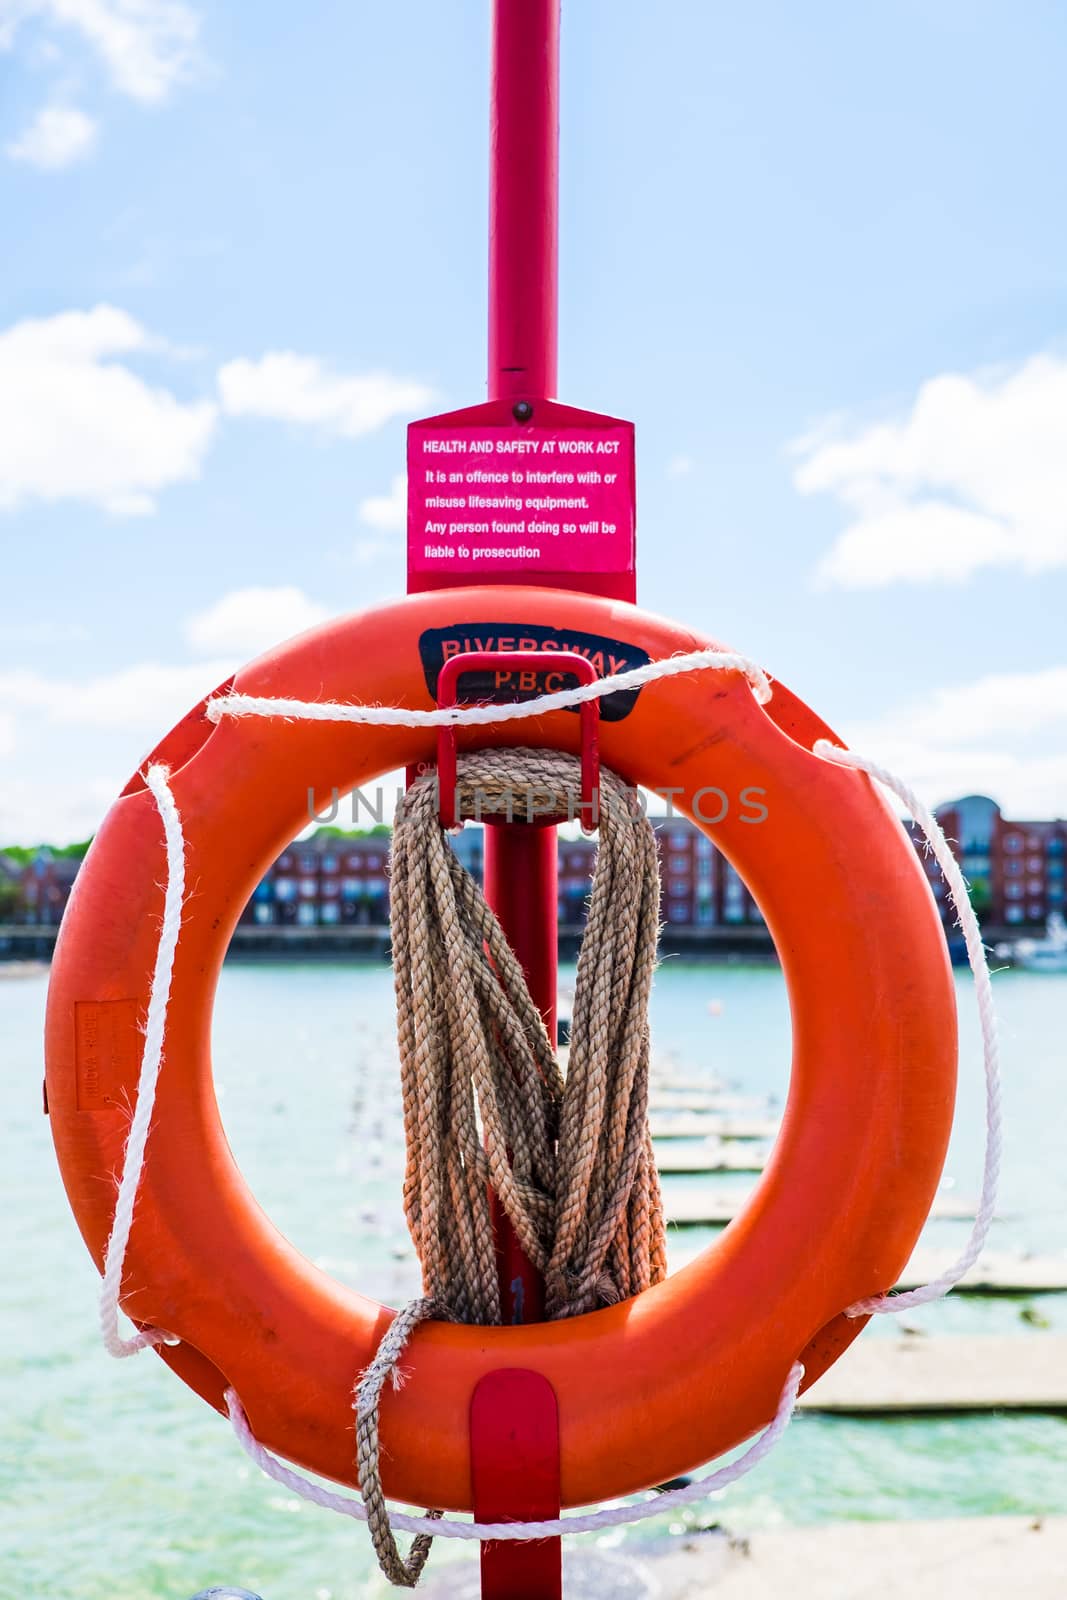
[7, 733]
[42, 632]
[975, 476]
[57, 137]
[389, 512]
[78, 739]
[295, 388]
[48, 809]
[147, 46]
[1001, 735]
[247, 621]
[76, 426]
[680, 466]
[145, 698]
[1012, 703]
[365, 552]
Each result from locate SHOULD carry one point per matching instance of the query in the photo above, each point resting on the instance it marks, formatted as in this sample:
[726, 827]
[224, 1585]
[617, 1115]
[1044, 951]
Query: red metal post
[515, 1474]
[520, 885]
[520, 859]
[523, 337]
[524, 200]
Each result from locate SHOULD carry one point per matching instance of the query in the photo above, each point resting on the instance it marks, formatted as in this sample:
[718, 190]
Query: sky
[815, 253]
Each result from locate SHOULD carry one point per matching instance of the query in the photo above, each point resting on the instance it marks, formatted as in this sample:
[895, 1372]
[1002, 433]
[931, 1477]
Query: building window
[677, 913]
[679, 863]
[309, 888]
[1015, 913]
[679, 887]
[285, 888]
[329, 863]
[1056, 892]
[1013, 841]
[1014, 891]
[705, 913]
[308, 862]
[305, 915]
[1013, 868]
[1036, 912]
[354, 859]
[679, 840]
[1036, 886]
[331, 889]
[374, 860]
[331, 912]
[263, 913]
[1034, 864]
[351, 888]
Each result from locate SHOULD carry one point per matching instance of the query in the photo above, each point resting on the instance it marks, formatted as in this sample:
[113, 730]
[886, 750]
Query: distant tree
[981, 898]
[23, 854]
[381, 830]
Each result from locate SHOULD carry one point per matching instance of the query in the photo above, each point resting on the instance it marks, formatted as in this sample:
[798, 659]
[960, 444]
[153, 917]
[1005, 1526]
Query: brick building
[1016, 870]
[700, 889]
[325, 881]
[43, 887]
[333, 880]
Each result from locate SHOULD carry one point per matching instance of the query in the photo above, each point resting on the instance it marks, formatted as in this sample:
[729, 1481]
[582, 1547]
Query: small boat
[1048, 954]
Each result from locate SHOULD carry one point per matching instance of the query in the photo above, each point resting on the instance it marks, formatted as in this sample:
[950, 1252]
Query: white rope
[151, 1061]
[250, 705]
[245, 705]
[983, 992]
[609, 1517]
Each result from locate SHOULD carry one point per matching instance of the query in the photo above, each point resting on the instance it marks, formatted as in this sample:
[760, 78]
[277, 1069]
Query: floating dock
[714, 1156]
[710, 1125]
[663, 1080]
[962, 1558]
[913, 1374]
[993, 1274]
[695, 1208]
[663, 1098]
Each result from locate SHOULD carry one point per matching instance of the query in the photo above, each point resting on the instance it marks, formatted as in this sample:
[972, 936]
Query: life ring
[647, 1389]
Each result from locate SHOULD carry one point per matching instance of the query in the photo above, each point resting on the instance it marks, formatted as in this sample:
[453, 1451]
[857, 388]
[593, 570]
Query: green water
[116, 1483]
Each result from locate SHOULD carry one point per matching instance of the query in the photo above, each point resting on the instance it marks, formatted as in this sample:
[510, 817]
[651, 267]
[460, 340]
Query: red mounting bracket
[514, 1431]
[520, 670]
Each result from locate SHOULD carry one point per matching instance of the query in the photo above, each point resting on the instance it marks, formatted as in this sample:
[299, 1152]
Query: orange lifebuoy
[647, 1389]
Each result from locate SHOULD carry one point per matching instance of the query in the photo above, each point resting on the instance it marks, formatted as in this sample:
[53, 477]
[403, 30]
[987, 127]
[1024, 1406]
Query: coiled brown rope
[485, 1103]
